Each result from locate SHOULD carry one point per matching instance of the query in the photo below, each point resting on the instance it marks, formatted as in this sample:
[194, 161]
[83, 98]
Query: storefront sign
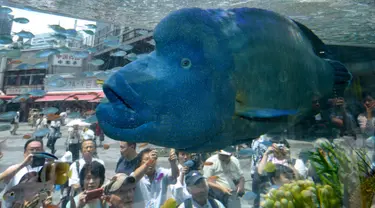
[19, 90]
[76, 84]
[66, 59]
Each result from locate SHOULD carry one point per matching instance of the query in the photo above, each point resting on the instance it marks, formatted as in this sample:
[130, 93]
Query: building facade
[18, 81]
[138, 38]
[79, 91]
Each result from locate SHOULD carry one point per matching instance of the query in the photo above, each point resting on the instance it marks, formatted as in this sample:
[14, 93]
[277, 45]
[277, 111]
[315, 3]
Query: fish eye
[185, 63]
[11, 193]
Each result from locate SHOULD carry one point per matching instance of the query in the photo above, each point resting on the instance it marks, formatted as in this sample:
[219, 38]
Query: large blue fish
[218, 78]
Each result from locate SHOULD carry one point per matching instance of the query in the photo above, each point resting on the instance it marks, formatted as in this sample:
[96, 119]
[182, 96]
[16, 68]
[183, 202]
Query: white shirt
[55, 124]
[63, 114]
[74, 179]
[207, 205]
[178, 190]
[41, 123]
[226, 172]
[17, 118]
[153, 193]
[301, 168]
[73, 136]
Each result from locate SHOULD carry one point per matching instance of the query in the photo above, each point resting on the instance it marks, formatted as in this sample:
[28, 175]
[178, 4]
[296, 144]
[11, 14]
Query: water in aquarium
[189, 104]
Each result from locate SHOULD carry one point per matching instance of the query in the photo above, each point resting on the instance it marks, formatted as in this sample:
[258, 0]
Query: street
[13, 153]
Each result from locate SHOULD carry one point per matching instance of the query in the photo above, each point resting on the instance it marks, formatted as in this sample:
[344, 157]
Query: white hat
[67, 157]
[89, 134]
[222, 152]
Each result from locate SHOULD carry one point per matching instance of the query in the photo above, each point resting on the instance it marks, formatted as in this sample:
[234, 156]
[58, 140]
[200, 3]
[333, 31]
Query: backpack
[188, 203]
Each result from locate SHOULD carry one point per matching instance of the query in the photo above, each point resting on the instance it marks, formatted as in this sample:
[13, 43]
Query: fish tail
[342, 77]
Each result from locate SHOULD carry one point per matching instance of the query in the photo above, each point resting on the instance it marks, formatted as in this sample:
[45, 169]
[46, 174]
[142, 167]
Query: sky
[39, 22]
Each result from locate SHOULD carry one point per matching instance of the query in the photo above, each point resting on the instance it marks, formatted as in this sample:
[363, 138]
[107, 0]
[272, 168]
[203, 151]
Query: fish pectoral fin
[264, 113]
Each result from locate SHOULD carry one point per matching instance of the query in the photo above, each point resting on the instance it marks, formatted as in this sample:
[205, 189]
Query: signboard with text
[66, 59]
[76, 84]
[19, 90]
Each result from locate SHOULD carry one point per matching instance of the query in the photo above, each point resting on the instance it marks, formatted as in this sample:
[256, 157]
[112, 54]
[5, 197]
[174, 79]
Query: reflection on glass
[321, 156]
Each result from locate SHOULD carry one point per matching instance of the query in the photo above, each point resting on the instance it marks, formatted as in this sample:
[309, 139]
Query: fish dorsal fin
[319, 47]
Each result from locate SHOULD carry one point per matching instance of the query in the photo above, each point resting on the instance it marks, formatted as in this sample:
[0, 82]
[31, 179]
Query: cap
[118, 181]
[193, 177]
[222, 152]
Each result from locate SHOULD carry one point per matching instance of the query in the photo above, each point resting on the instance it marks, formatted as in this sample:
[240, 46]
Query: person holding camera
[277, 153]
[91, 178]
[32, 145]
[153, 181]
[178, 190]
[366, 119]
[13, 175]
[343, 122]
[73, 140]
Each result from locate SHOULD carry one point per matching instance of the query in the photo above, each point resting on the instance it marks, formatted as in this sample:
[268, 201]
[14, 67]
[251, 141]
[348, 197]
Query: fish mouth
[126, 109]
[115, 98]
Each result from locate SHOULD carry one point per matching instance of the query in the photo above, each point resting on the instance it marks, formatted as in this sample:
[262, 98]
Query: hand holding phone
[39, 158]
[94, 194]
[37, 161]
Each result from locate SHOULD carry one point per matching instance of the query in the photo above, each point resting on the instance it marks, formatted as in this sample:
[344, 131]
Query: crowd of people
[191, 180]
[40, 121]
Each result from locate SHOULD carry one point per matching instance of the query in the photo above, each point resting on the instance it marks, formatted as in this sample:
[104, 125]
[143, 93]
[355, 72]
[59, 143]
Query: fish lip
[124, 101]
[103, 116]
[115, 98]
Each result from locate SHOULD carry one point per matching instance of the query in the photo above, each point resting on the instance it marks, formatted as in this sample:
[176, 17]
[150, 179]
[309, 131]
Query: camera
[194, 163]
[280, 146]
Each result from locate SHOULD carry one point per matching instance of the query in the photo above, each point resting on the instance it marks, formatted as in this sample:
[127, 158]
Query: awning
[81, 97]
[98, 98]
[7, 97]
[51, 98]
[71, 96]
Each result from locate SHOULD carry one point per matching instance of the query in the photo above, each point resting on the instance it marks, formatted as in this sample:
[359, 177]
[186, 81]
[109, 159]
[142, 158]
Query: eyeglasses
[36, 149]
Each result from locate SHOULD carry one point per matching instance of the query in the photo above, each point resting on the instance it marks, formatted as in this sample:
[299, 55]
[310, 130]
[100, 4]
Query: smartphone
[94, 194]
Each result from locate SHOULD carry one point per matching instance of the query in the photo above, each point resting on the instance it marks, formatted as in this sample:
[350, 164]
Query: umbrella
[77, 122]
